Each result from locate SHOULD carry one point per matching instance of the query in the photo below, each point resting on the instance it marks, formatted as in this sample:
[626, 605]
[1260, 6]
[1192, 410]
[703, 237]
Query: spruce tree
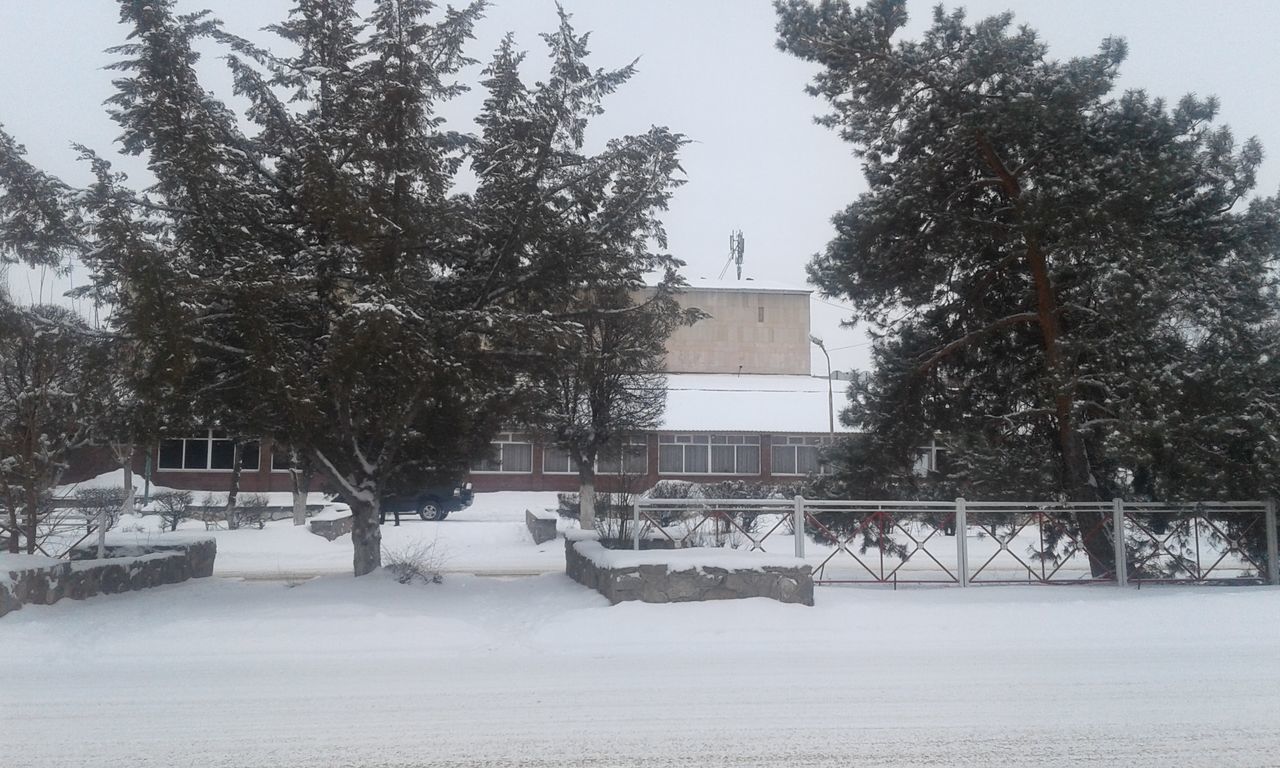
[310, 271]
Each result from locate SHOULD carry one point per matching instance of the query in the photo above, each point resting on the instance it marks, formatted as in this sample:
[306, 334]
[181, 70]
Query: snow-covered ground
[489, 537]
[260, 667]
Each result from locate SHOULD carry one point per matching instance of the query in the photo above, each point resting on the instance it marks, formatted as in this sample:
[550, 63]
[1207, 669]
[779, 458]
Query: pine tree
[1043, 258]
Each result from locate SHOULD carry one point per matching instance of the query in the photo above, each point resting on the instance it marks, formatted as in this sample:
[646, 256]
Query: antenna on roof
[735, 253]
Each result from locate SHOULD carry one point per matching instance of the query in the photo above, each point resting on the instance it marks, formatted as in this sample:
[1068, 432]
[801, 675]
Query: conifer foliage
[50, 404]
[609, 381]
[336, 267]
[1070, 282]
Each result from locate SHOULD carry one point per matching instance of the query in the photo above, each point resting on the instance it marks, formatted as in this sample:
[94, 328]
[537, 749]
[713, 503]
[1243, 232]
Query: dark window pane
[170, 454]
[671, 458]
[556, 460]
[487, 464]
[607, 462]
[221, 457]
[195, 454]
[784, 460]
[806, 459]
[749, 460]
[517, 457]
[637, 459]
[695, 458]
[249, 456]
[722, 459]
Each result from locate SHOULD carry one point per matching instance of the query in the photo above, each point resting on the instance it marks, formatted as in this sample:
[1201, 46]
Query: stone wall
[542, 526]
[667, 583]
[44, 581]
[330, 528]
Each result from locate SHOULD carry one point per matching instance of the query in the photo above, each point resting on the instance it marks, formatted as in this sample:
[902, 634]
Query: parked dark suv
[432, 503]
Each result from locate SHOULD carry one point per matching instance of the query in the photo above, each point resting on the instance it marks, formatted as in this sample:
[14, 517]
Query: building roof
[707, 402]
[747, 285]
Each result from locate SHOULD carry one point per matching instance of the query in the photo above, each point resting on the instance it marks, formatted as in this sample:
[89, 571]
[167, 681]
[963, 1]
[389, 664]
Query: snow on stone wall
[26, 580]
[672, 576]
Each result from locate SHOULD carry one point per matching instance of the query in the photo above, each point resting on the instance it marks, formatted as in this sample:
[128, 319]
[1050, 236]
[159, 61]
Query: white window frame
[249, 449]
[282, 452]
[499, 444]
[740, 442]
[633, 448]
[793, 444]
[927, 458]
[547, 450]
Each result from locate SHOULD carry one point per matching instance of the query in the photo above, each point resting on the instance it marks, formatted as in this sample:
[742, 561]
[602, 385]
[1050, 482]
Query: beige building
[752, 327]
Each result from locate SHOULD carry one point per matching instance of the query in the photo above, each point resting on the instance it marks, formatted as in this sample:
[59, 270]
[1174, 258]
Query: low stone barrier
[30, 580]
[330, 526]
[541, 525]
[681, 575]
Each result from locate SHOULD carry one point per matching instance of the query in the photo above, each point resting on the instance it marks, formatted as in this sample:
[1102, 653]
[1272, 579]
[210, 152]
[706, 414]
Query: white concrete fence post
[1273, 551]
[797, 524]
[962, 543]
[635, 523]
[1117, 538]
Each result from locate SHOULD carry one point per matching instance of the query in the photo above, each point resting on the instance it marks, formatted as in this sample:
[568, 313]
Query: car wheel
[431, 510]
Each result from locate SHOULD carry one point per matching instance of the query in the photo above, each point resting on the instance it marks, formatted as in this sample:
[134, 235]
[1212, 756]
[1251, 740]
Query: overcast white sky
[708, 69]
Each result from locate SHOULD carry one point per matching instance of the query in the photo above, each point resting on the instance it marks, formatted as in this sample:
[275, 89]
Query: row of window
[214, 451]
[513, 454]
[677, 455]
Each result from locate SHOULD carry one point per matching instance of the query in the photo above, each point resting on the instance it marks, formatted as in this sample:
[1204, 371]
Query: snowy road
[539, 671]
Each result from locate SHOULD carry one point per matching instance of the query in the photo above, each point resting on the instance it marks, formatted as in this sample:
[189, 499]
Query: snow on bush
[414, 561]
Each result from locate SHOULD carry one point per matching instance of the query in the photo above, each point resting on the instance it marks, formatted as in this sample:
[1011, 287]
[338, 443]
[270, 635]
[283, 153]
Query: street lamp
[831, 408]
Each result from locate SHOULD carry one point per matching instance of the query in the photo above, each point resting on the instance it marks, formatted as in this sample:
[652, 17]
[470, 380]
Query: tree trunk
[234, 491]
[33, 516]
[366, 537]
[1077, 475]
[126, 461]
[124, 456]
[301, 484]
[586, 498]
[13, 529]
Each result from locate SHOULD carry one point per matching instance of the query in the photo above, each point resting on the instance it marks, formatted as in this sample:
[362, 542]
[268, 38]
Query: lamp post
[831, 408]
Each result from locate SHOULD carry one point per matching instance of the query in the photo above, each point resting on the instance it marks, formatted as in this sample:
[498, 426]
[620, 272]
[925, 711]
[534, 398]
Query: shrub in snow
[252, 509]
[671, 489]
[612, 515]
[417, 561]
[173, 507]
[100, 504]
[607, 504]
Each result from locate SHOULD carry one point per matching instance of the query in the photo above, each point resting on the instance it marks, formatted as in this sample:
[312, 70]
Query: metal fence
[975, 542]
